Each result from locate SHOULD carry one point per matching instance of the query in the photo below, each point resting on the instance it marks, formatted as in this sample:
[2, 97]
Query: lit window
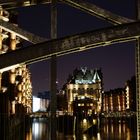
[82, 97]
[91, 104]
[79, 104]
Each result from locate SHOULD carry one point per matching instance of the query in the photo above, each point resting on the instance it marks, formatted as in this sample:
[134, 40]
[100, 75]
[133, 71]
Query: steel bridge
[122, 30]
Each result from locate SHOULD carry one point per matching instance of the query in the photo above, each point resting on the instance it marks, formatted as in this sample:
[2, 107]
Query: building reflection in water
[112, 129]
[118, 129]
[38, 130]
[29, 134]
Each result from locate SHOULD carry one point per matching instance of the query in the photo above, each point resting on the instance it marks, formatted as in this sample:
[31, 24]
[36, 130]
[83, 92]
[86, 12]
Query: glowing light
[84, 121]
[26, 3]
[36, 104]
[82, 48]
[82, 97]
[36, 129]
[98, 136]
[13, 44]
[83, 81]
[76, 86]
[91, 104]
[94, 121]
[4, 89]
[79, 104]
[84, 137]
[71, 86]
[13, 107]
[86, 86]
[4, 36]
[29, 135]
[12, 78]
[19, 87]
[127, 98]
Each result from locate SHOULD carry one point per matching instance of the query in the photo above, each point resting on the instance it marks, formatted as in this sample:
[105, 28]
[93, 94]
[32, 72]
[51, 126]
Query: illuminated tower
[84, 91]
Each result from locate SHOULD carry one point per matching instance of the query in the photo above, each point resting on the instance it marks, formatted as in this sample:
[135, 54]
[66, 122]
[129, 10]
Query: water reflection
[109, 130]
[39, 129]
[29, 134]
[119, 129]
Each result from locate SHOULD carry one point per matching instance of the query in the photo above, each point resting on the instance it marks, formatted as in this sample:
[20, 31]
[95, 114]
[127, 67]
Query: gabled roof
[85, 76]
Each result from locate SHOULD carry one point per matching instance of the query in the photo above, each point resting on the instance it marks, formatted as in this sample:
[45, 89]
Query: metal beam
[12, 4]
[71, 44]
[20, 32]
[97, 11]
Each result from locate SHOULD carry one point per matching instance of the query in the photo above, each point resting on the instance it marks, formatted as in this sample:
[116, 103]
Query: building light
[94, 121]
[85, 86]
[4, 89]
[84, 121]
[79, 104]
[82, 97]
[26, 3]
[71, 86]
[19, 86]
[127, 98]
[76, 86]
[12, 78]
[13, 107]
[98, 136]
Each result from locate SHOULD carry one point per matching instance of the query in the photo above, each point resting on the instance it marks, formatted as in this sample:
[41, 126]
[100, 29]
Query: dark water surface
[110, 129]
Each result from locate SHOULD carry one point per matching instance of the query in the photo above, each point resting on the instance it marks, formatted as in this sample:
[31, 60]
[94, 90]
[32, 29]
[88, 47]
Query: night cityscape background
[117, 61]
[95, 94]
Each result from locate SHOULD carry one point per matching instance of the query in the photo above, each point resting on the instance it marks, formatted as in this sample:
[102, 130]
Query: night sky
[117, 61]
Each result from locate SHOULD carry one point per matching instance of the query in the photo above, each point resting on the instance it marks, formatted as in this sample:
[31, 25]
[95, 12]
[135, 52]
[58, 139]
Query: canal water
[109, 129]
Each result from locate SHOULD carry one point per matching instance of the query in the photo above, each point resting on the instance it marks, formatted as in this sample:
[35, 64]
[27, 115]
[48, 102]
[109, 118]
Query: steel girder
[71, 44]
[12, 4]
[82, 5]
[20, 32]
[97, 11]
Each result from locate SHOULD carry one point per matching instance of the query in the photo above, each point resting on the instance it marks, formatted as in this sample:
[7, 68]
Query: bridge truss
[122, 30]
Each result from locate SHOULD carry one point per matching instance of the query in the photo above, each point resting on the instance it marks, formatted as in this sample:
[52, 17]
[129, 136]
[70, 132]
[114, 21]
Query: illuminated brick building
[121, 99]
[130, 88]
[114, 100]
[84, 91]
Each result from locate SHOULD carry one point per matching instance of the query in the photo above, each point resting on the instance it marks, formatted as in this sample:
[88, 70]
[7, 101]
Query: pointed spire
[96, 77]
